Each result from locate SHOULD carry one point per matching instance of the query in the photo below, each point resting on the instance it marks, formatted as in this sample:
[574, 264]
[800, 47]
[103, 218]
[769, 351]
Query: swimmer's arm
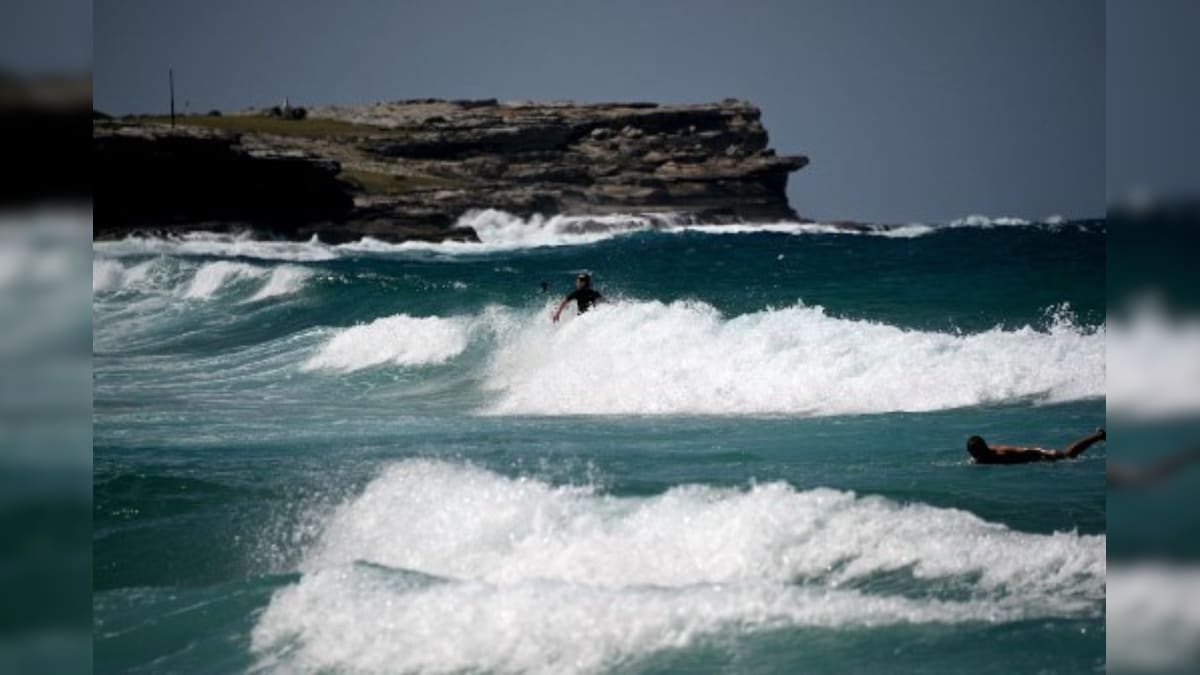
[561, 305]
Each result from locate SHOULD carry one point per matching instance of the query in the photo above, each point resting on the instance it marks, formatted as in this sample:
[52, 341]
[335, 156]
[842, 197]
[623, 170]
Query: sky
[915, 111]
[45, 36]
[1153, 99]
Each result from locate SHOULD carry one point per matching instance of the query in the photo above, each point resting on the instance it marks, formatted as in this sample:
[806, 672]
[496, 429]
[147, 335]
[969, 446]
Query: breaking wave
[400, 340]
[686, 358]
[212, 277]
[217, 244]
[204, 282]
[498, 574]
[633, 357]
[284, 280]
[979, 220]
[1153, 362]
[500, 231]
[1153, 617]
[111, 275]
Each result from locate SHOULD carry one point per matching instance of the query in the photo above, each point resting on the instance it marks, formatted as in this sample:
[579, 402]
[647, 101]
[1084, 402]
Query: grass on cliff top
[310, 127]
[376, 183]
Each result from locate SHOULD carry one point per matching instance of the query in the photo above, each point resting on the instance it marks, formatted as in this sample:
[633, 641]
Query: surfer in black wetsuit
[983, 453]
[584, 295]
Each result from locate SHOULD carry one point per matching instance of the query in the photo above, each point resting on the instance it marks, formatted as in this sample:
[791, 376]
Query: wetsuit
[584, 298]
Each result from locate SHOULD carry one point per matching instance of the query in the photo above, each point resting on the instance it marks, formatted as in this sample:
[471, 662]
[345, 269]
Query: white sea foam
[464, 522]
[536, 578]
[979, 220]
[107, 275]
[210, 278]
[891, 232]
[906, 231]
[1153, 618]
[1153, 363]
[204, 282]
[502, 231]
[685, 357]
[218, 244]
[284, 280]
[395, 340]
[354, 620]
[111, 275]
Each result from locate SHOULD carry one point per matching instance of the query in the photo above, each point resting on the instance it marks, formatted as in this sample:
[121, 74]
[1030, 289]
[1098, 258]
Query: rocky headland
[410, 169]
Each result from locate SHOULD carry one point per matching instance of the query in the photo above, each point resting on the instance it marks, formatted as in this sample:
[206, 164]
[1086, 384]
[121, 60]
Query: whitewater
[648, 357]
[376, 457]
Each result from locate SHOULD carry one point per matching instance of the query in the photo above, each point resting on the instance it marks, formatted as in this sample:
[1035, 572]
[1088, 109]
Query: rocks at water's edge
[409, 170]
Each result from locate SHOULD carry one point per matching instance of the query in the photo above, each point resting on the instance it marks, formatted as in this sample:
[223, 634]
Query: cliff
[410, 169]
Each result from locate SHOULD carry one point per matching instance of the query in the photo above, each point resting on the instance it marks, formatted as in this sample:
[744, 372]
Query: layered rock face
[410, 169]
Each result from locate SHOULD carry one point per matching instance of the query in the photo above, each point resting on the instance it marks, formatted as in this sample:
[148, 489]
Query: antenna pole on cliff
[171, 79]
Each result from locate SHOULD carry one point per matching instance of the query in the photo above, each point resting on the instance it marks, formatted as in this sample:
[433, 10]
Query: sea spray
[395, 340]
[493, 573]
[213, 277]
[194, 282]
[646, 358]
[284, 280]
[499, 231]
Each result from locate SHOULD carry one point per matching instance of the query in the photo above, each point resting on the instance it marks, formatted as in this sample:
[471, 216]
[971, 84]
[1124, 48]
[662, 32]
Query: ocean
[748, 459]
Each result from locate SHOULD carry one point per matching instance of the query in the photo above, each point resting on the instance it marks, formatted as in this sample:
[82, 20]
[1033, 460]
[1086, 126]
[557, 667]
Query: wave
[797, 229]
[500, 231]
[111, 275]
[979, 220]
[905, 231]
[643, 358]
[647, 358]
[242, 245]
[170, 278]
[517, 575]
[1153, 362]
[1153, 618]
[351, 620]
[284, 280]
[211, 277]
[399, 340]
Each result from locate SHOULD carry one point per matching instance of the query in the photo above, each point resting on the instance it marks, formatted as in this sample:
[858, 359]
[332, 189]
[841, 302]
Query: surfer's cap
[584, 277]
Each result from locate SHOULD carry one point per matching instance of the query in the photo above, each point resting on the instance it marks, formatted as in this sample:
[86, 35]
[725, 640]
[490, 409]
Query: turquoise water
[387, 458]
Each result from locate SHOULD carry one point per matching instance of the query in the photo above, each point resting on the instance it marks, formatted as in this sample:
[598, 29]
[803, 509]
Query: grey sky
[45, 36]
[924, 110]
[1153, 98]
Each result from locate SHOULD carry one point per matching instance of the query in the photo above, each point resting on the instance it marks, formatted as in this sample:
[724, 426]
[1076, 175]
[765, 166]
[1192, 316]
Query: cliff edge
[410, 169]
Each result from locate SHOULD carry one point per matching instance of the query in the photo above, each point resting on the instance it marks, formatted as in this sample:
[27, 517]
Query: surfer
[1018, 454]
[584, 295]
